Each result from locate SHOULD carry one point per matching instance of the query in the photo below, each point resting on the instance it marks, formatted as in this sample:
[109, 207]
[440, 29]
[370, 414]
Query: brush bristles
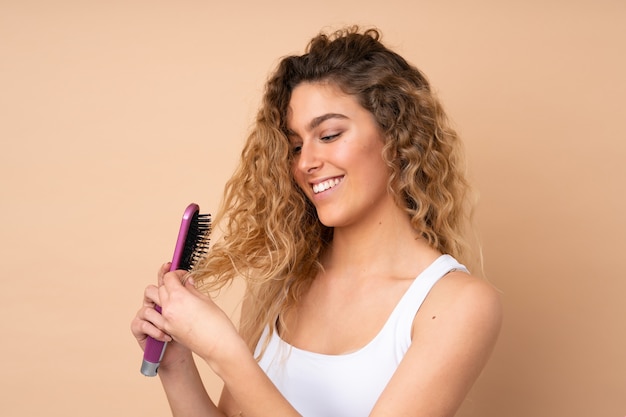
[197, 242]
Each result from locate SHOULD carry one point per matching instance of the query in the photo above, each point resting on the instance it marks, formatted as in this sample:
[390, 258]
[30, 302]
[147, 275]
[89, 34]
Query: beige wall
[115, 114]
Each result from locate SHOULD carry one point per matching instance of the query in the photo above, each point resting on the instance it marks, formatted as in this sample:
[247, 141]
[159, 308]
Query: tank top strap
[412, 300]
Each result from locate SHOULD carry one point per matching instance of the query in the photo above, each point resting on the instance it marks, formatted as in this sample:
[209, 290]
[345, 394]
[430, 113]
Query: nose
[309, 159]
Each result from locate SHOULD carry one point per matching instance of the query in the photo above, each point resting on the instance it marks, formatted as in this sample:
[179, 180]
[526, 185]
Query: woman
[346, 218]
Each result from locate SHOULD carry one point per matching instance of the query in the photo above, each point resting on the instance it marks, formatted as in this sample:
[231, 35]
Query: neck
[383, 246]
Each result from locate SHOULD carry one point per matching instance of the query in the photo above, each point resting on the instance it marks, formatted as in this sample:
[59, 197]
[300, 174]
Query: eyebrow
[318, 121]
[321, 119]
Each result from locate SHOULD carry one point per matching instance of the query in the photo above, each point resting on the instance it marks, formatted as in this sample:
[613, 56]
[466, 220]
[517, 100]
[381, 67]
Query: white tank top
[349, 385]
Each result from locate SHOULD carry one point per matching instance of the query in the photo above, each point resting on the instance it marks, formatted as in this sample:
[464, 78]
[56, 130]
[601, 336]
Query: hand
[149, 322]
[192, 319]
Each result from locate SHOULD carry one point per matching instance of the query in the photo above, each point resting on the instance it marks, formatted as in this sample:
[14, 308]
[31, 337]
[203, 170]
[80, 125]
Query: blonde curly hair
[271, 233]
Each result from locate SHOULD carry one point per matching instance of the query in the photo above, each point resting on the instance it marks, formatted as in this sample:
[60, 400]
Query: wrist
[231, 359]
[183, 361]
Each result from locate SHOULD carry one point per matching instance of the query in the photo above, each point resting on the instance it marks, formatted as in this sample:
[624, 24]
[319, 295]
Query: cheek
[298, 176]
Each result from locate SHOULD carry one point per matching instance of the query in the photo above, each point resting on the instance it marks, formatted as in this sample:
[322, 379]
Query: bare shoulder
[466, 291]
[462, 301]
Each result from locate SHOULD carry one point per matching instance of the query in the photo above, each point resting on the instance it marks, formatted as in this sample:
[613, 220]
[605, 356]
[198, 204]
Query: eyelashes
[330, 137]
[297, 148]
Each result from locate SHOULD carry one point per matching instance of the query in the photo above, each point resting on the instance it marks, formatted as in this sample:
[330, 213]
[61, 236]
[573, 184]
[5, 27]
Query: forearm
[251, 393]
[195, 321]
[185, 391]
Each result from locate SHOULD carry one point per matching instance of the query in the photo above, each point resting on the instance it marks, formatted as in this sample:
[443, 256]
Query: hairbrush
[191, 245]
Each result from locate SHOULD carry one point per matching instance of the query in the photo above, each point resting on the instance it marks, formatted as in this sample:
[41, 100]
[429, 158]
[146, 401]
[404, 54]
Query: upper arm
[453, 335]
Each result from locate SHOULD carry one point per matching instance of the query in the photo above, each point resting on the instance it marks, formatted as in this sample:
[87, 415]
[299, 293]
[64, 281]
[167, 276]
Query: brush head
[193, 239]
[197, 243]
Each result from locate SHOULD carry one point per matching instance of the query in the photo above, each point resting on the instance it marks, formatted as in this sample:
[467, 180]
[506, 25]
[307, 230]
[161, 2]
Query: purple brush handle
[154, 350]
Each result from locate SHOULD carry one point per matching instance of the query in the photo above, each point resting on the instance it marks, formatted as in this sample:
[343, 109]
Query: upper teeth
[323, 186]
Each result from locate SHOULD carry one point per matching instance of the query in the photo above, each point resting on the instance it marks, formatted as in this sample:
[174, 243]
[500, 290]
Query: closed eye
[296, 148]
[330, 137]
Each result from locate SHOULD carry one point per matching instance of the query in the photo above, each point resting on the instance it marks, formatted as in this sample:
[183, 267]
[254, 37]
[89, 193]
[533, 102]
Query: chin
[332, 220]
[327, 221]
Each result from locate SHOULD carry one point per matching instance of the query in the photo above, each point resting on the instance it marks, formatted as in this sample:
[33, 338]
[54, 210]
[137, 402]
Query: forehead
[311, 102]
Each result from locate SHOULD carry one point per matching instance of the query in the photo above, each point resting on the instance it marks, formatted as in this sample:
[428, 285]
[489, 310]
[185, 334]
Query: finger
[148, 329]
[171, 284]
[151, 296]
[163, 295]
[143, 326]
[165, 268]
[174, 279]
[190, 285]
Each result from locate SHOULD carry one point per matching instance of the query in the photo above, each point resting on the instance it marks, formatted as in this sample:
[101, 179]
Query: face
[337, 155]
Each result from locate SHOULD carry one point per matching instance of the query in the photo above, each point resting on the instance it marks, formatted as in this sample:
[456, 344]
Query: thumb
[190, 285]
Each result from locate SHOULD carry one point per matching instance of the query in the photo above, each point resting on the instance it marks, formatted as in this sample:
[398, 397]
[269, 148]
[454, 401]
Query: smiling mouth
[326, 185]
